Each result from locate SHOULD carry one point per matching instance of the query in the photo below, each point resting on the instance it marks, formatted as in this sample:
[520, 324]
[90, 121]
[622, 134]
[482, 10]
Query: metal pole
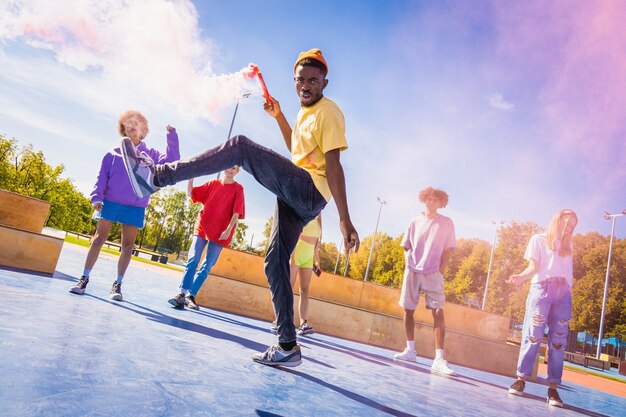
[338, 255]
[606, 280]
[232, 122]
[369, 259]
[493, 247]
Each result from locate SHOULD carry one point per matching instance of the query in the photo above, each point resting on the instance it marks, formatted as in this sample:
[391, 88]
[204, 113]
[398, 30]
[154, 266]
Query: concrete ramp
[364, 312]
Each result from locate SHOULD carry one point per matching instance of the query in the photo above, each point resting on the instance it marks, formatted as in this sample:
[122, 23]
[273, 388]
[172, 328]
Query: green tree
[328, 256]
[267, 231]
[239, 238]
[504, 298]
[358, 260]
[590, 254]
[170, 221]
[26, 172]
[466, 274]
[388, 268]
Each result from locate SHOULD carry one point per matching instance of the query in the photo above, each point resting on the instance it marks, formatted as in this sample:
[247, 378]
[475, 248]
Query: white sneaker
[441, 365]
[406, 355]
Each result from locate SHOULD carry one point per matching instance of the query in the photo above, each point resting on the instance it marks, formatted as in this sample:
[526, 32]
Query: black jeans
[297, 202]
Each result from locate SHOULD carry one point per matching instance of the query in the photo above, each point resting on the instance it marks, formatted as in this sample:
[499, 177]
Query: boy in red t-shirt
[224, 205]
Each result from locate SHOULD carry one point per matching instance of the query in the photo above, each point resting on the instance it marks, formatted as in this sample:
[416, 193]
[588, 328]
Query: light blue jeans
[189, 282]
[549, 302]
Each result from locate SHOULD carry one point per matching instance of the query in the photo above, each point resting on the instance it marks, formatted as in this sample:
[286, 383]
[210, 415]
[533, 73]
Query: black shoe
[305, 329]
[517, 388]
[116, 291]
[190, 302]
[554, 398]
[79, 288]
[178, 301]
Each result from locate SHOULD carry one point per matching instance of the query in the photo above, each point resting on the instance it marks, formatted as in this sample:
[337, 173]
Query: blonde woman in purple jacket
[113, 198]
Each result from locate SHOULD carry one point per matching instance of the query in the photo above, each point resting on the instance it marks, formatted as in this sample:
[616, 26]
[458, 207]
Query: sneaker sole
[77, 291]
[290, 364]
[443, 372]
[176, 305]
[116, 297]
[515, 392]
[405, 359]
[555, 404]
[128, 153]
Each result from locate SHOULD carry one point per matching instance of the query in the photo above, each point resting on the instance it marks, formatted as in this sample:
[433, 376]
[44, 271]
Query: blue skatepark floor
[63, 354]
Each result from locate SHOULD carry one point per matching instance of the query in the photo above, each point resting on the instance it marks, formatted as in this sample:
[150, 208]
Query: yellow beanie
[315, 54]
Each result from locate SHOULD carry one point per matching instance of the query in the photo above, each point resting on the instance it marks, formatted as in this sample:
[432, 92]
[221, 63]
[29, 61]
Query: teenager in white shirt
[549, 301]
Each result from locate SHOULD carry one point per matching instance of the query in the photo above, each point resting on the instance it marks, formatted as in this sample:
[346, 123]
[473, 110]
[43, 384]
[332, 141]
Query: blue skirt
[123, 214]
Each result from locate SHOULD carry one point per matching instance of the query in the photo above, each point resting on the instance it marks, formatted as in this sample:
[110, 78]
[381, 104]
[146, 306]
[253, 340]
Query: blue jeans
[549, 302]
[198, 244]
[297, 202]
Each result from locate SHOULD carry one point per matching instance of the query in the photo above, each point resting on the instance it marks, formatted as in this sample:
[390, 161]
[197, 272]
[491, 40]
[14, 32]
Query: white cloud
[497, 101]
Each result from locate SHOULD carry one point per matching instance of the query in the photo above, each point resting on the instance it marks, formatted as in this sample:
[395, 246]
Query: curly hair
[127, 114]
[439, 194]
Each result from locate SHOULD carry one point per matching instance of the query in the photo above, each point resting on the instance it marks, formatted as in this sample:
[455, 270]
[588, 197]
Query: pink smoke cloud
[153, 46]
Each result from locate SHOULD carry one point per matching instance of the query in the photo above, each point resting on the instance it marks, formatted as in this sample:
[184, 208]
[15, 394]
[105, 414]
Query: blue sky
[515, 109]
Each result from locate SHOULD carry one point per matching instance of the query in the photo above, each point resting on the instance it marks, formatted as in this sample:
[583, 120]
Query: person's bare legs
[102, 234]
[439, 328]
[408, 354]
[129, 233]
[293, 270]
[305, 282]
[409, 325]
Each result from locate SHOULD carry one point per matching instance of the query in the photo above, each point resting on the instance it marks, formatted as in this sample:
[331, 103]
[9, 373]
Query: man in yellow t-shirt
[302, 186]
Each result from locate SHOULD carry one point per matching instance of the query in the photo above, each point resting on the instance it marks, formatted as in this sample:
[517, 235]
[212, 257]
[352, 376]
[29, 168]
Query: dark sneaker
[190, 302]
[178, 301]
[517, 388]
[116, 292]
[80, 286]
[140, 169]
[274, 326]
[305, 328]
[276, 356]
[554, 398]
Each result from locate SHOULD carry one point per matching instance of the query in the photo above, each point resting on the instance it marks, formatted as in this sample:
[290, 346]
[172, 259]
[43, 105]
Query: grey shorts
[430, 284]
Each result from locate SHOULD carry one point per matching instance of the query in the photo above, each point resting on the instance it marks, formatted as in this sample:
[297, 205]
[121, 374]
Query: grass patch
[594, 373]
[85, 243]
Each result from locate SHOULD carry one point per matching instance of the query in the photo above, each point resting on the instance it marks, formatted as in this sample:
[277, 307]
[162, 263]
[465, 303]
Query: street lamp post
[338, 255]
[367, 270]
[345, 271]
[611, 217]
[493, 247]
[232, 122]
